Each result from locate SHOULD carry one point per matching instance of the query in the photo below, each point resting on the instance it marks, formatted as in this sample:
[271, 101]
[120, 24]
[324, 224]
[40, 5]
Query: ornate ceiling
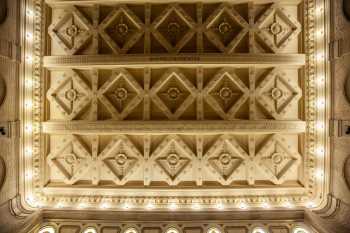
[175, 105]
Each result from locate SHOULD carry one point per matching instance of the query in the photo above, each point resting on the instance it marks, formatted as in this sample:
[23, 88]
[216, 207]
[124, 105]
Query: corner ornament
[2, 89]
[3, 11]
[347, 171]
[2, 171]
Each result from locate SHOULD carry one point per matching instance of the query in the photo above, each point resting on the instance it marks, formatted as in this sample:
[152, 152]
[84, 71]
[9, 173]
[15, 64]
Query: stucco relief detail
[222, 94]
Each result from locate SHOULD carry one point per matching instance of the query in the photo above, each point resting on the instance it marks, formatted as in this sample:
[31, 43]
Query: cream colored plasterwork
[175, 104]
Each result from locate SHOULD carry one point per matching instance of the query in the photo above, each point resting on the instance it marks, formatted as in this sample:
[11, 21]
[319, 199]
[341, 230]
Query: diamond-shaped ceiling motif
[120, 159]
[225, 28]
[277, 27]
[72, 31]
[70, 94]
[276, 159]
[121, 29]
[120, 94]
[276, 94]
[226, 93]
[173, 157]
[225, 158]
[71, 159]
[173, 93]
[173, 28]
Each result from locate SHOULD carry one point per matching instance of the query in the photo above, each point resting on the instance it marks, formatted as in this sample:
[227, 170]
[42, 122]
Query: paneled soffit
[175, 106]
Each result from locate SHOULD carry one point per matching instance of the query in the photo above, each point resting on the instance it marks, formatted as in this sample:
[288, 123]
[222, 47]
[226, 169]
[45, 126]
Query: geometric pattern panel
[175, 159]
[175, 28]
[175, 94]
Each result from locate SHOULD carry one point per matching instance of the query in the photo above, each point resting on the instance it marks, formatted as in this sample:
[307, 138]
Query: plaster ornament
[347, 88]
[347, 171]
[3, 11]
[2, 90]
[2, 171]
[346, 9]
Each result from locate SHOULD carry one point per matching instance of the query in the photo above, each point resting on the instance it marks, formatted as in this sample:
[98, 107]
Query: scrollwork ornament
[347, 171]
[3, 11]
[2, 90]
[346, 9]
[2, 171]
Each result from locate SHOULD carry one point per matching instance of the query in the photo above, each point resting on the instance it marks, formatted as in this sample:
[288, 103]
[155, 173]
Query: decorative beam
[171, 127]
[188, 60]
[90, 2]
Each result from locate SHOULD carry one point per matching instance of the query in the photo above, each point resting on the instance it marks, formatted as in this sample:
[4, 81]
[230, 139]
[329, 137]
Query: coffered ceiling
[175, 105]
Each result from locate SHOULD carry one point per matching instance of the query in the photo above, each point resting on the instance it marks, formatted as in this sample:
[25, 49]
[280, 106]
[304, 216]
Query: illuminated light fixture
[320, 125]
[213, 230]
[172, 230]
[319, 174]
[131, 230]
[288, 205]
[90, 230]
[258, 230]
[29, 83]
[220, 206]
[321, 80]
[47, 229]
[29, 36]
[321, 103]
[29, 58]
[320, 151]
[265, 205]
[196, 206]
[310, 205]
[29, 13]
[150, 206]
[127, 206]
[29, 128]
[173, 206]
[59, 205]
[28, 151]
[320, 56]
[105, 205]
[28, 104]
[243, 206]
[29, 175]
[300, 230]
[82, 205]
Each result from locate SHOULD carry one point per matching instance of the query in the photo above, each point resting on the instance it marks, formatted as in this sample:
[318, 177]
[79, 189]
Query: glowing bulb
[320, 56]
[127, 206]
[319, 174]
[320, 151]
[47, 229]
[90, 230]
[82, 205]
[173, 206]
[29, 58]
[258, 230]
[288, 205]
[59, 205]
[243, 206]
[150, 206]
[29, 83]
[29, 175]
[220, 206]
[28, 104]
[320, 125]
[196, 206]
[28, 151]
[29, 36]
[29, 128]
[29, 13]
[320, 104]
[310, 205]
[104, 205]
[266, 205]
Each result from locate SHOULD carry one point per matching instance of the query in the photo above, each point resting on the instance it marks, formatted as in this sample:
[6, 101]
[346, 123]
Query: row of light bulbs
[50, 229]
